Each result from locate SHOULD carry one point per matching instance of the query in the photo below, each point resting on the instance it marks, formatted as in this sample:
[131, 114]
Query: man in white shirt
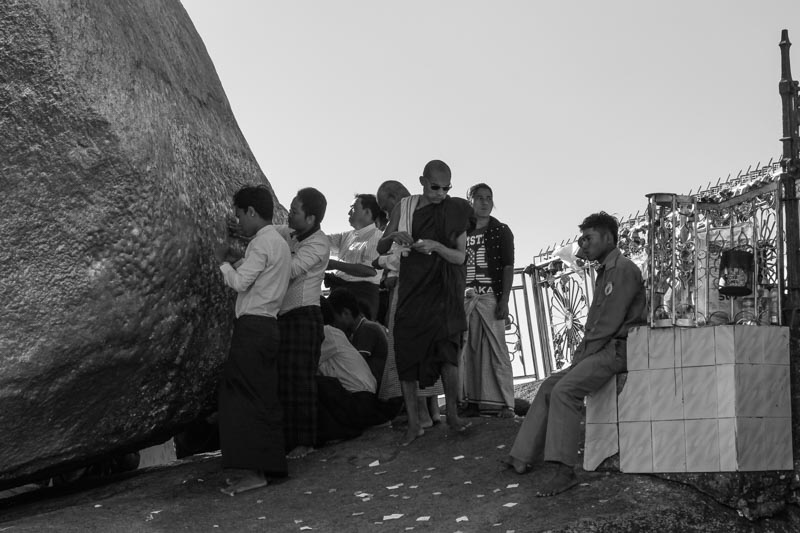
[356, 250]
[250, 415]
[339, 359]
[348, 402]
[300, 320]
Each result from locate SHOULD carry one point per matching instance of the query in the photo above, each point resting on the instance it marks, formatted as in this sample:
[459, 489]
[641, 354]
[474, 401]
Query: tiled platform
[712, 399]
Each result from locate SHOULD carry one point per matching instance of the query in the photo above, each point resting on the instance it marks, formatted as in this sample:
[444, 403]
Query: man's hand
[426, 246]
[501, 311]
[221, 250]
[403, 238]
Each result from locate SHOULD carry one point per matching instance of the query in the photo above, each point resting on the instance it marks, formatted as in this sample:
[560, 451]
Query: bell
[736, 273]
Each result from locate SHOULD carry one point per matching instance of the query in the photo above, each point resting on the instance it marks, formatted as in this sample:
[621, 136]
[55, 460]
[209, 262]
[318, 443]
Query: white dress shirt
[358, 246]
[340, 360]
[309, 262]
[262, 278]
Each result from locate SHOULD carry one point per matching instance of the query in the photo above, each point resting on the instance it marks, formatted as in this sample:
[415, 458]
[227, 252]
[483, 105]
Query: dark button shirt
[619, 303]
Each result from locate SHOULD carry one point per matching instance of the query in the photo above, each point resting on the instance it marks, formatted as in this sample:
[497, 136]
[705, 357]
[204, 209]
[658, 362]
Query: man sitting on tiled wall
[551, 429]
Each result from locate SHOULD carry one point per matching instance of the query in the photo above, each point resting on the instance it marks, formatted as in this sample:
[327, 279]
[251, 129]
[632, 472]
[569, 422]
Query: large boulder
[119, 155]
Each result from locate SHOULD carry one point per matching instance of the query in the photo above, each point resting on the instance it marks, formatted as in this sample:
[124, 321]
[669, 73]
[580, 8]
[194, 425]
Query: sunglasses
[445, 188]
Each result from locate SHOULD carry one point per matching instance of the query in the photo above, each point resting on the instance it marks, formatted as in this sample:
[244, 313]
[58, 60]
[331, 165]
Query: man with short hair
[300, 320]
[368, 337]
[250, 414]
[356, 250]
[551, 429]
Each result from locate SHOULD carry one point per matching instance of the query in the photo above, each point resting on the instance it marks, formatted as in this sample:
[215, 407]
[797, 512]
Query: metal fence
[551, 298]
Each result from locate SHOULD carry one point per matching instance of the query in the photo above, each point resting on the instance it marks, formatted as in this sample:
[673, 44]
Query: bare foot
[411, 435]
[233, 475]
[299, 452]
[425, 420]
[520, 467]
[252, 480]
[506, 412]
[457, 424]
[433, 407]
[563, 480]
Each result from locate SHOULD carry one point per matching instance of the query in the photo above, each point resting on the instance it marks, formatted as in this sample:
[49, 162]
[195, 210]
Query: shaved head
[389, 193]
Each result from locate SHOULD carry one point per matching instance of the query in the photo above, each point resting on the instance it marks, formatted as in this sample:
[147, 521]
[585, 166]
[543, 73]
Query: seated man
[346, 389]
[368, 337]
[551, 429]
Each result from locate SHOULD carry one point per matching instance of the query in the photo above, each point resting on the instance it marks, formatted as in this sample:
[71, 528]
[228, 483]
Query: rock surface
[119, 155]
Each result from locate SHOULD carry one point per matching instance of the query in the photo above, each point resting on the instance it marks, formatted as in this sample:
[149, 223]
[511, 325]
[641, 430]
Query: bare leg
[520, 467]
[410, 397]
[450, 380]
[425, 421]
[433, 408]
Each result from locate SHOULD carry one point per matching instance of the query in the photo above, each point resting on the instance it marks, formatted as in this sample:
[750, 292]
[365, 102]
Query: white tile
[635, 447]
[699, 392]
[633, 403]
[776, 345]
[750, 444]
[669, 446]
[666, 394]
[702, 445]
[777, 444]
[776, 397]
[727, 444]
[748, 344]
[750, 389]
[637, 348]
[697, 347]
[726, 391]
[723, 344]
[663, 351]
[601, 405]
[602, 441]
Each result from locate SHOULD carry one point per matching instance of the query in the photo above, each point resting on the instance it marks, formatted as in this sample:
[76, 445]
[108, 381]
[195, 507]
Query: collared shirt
[309, 261]
[338, 359]
[358, 246]
[263, 276]
[619, 303]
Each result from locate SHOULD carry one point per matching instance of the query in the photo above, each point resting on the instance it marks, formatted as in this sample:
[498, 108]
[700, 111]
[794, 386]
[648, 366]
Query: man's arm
[390, 234]
[354, 269]
[310, 252]
[507, 255]
[335, 240]
[501, 311]
[254, 262]
[456, 255]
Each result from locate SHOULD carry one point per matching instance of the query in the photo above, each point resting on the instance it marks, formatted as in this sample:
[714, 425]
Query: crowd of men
[304, 369]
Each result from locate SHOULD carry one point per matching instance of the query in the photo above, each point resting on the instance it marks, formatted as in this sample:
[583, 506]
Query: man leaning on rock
[250, 414]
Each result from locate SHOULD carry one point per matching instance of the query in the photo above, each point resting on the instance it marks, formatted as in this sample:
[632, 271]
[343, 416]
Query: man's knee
[565, 392]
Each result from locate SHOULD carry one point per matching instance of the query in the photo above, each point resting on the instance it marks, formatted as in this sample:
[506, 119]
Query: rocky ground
[442, 482]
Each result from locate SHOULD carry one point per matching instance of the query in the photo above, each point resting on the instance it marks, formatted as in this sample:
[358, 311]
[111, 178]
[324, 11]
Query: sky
[564, 107]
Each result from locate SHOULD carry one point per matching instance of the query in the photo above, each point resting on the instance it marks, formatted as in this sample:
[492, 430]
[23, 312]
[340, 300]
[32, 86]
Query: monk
[430, 319]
